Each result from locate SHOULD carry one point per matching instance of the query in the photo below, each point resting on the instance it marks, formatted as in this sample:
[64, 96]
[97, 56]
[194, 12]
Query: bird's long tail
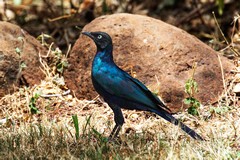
[167, 116]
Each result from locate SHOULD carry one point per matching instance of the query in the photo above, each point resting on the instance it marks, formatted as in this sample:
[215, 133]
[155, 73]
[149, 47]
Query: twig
[193, 73]
[234, 25]
[55, 95]
[69, 49]
[222, 72]
[50, 47]
[225, 39]
[45, 69]
[89, 102]
[59, 18]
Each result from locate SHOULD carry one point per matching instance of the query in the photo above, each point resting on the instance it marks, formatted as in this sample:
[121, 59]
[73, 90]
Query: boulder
[158, 54]
[19, 58]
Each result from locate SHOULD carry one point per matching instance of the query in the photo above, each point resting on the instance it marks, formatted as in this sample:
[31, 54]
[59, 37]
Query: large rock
[161, 56]
[19, 58]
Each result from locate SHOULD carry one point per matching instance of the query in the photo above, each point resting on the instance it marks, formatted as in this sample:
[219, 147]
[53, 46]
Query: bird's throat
[104, 55]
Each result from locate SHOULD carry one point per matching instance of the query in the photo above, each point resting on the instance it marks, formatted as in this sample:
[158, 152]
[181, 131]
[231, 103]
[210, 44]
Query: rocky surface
[19, 58]
[158, 54]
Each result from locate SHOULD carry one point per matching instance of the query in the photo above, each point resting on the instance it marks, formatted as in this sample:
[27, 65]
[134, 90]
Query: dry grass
[50, 134]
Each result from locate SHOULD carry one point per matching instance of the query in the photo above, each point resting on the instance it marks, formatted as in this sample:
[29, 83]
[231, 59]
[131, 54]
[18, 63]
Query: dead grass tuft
[50, 134]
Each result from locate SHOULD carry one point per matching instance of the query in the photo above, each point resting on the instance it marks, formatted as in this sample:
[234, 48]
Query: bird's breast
[101, 70]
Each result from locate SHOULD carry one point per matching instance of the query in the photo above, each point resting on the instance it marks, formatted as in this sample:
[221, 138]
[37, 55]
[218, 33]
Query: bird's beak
[88, 34]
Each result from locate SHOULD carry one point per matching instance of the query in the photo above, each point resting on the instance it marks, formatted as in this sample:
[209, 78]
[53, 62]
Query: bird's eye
[99, 37]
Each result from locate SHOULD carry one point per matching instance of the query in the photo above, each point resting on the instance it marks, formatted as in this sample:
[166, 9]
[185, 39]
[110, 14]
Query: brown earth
[18, 49]
[158, 54]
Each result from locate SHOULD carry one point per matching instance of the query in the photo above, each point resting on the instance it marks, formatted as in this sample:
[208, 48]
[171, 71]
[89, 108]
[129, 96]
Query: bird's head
[101, 39]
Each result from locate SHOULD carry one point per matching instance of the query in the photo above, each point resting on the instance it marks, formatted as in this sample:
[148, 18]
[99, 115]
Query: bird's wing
[148, 93]
[129, 88]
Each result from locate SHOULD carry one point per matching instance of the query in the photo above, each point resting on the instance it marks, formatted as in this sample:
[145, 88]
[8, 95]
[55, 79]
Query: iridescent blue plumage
[120, 90]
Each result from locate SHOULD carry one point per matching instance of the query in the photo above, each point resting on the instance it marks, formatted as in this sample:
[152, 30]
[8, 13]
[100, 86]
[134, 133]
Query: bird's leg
[115, 131]
[119, 120]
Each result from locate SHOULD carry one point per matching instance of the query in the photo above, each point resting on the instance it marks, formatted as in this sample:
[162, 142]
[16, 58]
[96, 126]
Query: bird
[120, 90]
